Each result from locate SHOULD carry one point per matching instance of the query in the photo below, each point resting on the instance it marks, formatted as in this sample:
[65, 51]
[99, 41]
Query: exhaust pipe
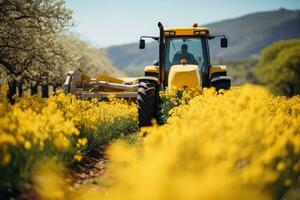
[161, 52]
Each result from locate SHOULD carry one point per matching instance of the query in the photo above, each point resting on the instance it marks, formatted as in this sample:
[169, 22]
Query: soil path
[89, 172]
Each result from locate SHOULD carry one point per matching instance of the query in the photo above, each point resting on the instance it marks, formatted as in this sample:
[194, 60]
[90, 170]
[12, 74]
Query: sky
[112, 22]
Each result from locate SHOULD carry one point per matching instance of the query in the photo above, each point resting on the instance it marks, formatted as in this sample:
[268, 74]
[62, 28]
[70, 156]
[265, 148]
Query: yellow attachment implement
[109, 79]
[101, 87]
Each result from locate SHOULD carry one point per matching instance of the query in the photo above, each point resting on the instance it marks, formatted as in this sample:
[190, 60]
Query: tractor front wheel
[148, 102]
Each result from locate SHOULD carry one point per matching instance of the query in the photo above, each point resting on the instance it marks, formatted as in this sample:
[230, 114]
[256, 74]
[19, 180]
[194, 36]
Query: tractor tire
[221, 82]
[224, 84]
[148, 103]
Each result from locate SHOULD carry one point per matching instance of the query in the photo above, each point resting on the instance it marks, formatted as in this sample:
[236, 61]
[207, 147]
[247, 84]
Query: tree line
[279, 67]
[36, 48]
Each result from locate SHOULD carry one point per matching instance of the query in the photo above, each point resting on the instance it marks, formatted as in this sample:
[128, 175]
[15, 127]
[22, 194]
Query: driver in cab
[184, 54]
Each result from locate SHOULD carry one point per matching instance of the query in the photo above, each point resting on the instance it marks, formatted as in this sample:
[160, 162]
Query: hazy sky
[112, 22]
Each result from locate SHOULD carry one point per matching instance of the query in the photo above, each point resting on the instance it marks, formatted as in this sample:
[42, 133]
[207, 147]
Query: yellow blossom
[27, 145]
[78, 157]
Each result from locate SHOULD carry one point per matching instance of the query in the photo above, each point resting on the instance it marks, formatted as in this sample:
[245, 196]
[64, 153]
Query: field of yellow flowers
[238, 144]
[61, 127]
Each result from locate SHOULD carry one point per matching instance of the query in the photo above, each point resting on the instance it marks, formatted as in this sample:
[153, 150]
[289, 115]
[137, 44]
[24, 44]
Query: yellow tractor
[184, 62]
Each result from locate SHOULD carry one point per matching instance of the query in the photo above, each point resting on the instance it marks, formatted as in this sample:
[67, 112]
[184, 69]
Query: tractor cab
[183, 47]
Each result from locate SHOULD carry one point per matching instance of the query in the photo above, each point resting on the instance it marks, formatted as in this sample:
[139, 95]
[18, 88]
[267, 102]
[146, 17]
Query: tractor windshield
[192, 50]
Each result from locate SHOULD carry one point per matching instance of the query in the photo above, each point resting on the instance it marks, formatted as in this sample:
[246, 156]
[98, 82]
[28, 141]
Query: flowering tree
[28, 29]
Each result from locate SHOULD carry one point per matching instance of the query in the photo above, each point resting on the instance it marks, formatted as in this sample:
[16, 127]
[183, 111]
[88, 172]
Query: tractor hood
[184, 76]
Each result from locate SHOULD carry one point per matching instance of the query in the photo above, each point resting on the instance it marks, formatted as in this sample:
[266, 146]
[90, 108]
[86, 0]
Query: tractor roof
[190, 31]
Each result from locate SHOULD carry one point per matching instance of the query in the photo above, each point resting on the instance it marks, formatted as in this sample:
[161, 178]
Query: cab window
[190, 49]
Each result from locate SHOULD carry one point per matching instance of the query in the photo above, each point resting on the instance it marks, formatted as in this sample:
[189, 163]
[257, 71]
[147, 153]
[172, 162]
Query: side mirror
[224, 42]
[142, 44]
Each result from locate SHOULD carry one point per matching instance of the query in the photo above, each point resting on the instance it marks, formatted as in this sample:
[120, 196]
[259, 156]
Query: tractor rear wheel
[148, 102]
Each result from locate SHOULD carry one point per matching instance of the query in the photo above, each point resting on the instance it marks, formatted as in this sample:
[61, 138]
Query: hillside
[248, 35]
[131, 59]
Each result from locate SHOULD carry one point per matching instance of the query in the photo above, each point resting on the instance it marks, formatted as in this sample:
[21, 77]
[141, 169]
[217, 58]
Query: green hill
[130, 59]
[247, 35]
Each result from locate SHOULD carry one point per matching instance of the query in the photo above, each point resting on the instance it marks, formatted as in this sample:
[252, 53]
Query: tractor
[184, 62]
